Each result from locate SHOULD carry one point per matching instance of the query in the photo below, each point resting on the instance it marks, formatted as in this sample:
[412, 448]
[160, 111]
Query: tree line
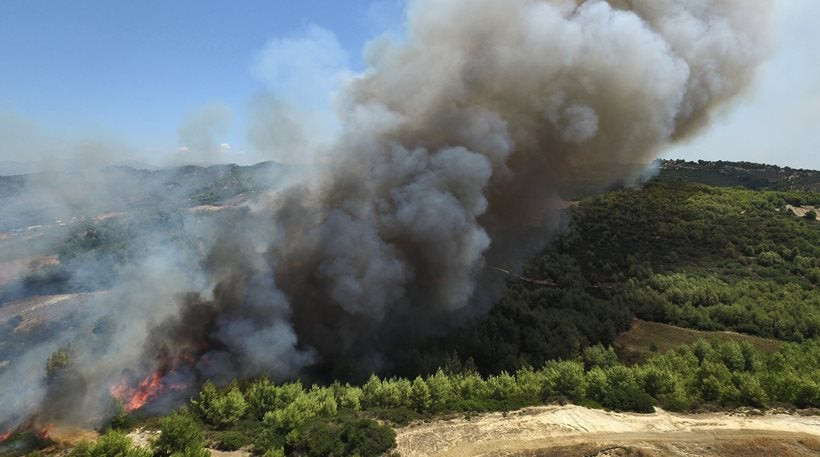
[344, 419]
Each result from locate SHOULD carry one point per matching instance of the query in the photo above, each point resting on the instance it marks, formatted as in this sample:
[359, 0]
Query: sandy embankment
[573, 430]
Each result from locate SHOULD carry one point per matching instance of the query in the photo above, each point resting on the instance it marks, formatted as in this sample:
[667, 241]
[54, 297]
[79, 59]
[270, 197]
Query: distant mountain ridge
[191, 185]
[33, 199]
[743, 174]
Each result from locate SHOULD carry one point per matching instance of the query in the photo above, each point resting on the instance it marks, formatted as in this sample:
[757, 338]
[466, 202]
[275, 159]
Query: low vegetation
[343, 419]
[113, 443]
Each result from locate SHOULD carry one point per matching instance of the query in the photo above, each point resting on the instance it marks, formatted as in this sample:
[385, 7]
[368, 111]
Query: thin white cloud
[777, 122]
[202, 134]
[305, 69]
[293, 119]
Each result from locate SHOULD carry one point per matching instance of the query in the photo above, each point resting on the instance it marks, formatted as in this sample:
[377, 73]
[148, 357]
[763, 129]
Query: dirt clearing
[573, 430]
[800, 211]
[646, 339]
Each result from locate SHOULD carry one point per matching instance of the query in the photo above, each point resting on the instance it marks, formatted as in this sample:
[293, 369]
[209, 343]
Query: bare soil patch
[14, 270]
[574, 430]
[646, 338]
[800, 211]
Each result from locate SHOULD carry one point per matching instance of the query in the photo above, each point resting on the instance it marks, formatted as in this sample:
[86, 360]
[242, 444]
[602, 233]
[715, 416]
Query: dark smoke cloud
[453, 142]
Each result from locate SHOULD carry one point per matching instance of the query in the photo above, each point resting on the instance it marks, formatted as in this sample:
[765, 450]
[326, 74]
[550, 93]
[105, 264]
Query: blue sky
[778, 119]
[132, 72]
[151, 76]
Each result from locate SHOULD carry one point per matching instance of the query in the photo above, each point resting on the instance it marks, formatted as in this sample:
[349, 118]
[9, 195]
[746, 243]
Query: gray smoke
[456, 137]
[454, 143]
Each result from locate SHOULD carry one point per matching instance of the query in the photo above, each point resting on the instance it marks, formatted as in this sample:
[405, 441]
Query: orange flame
[43, 434]
[149, 389]
[133, 398]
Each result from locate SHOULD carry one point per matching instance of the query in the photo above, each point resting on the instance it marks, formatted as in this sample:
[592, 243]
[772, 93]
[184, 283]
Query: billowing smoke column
[455, 137]
[452, 139]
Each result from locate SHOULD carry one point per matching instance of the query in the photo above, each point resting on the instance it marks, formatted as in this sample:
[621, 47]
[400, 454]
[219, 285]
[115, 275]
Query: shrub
[597, 384]
[231, 441]
[220, 409]
[59, 360]
[180, 434]
[807, 394]
[390, 393]
[348, 397]
[598, 356]
[629, 399]
[441, 390]
[341, 437]
[751, 392]
[261, 397]
[677, 400]
[318, 402]
[420, 395]
[565, 378]
[623, 392]
[470, 386]
[502, 387]
[113, 443]
[769, 258]
[396, 416]
[268, 439]
[121, 419]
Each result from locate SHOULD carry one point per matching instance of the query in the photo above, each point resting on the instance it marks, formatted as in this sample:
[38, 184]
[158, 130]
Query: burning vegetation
[134, 392]
[134, 397]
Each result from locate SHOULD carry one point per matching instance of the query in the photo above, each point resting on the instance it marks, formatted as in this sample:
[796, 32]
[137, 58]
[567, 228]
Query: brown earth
[14, 270]
[645, 339]
[33, 311]
[578, 431]
[71, 436]
[800, 211]
[143, 437]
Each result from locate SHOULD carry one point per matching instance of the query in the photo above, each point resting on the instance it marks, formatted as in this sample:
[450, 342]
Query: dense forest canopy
[708, 258]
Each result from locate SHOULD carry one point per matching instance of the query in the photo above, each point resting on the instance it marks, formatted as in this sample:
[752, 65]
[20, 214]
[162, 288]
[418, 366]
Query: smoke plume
[453, 143]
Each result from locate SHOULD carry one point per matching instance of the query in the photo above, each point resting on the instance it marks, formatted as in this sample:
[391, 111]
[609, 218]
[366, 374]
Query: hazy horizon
[186, 86]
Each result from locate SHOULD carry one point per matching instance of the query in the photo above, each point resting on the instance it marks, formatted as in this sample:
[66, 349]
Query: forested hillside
[683, 253]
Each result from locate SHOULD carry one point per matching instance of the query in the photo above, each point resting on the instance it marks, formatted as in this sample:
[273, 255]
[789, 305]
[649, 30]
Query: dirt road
[576, 431]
